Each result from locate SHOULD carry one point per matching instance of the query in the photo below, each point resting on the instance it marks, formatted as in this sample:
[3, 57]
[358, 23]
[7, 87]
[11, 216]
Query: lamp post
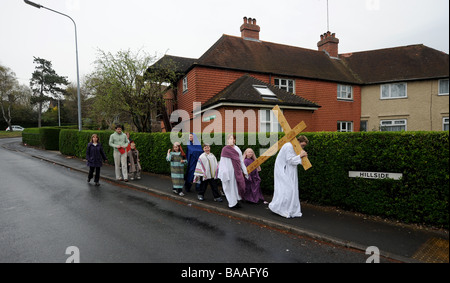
[76, 52]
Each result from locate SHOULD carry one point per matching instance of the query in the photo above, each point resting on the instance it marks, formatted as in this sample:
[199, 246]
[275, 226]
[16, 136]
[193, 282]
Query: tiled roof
[243, 91]
[265, 57]
[414, 62]
[180, 65]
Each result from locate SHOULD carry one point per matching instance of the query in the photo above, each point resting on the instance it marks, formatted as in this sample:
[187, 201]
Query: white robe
[286, 200]
[226, 175]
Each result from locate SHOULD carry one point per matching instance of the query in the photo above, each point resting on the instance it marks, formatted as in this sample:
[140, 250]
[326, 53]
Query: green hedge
[45, 137]
[31, 136]
[421, 196]
[74, 142]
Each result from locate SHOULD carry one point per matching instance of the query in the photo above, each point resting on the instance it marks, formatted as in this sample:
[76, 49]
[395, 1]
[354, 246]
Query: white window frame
[272, 121]
[445, 124]
[284, 84]
[439, 87]
[385, 125]
[345, 126]
[389, 88]
[185, 84]
[345, 92]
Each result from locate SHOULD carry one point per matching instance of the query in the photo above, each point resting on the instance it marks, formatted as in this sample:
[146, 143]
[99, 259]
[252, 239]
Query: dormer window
[265, 92]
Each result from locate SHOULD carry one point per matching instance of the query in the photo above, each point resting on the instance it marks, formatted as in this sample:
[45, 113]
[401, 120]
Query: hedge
[45, 137]
[421, 196]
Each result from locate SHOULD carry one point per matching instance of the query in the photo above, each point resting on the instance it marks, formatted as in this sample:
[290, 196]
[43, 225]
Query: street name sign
[374, 175]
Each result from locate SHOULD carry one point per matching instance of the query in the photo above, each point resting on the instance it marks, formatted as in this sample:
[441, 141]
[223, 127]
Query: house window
[443, 87]
[344, 126]
[268, 122]
[287, 85]
[185, 84]
[445, 124]
[363, 126]
[393, 125]
[390, 91]
[345, 92]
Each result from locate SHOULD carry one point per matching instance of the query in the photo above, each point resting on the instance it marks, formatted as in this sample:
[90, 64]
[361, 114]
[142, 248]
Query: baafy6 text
[243, 272]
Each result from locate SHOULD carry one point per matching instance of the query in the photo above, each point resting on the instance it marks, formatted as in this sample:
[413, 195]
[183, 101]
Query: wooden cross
[290, 136]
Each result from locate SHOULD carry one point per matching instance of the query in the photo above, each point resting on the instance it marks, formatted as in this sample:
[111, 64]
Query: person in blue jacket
[193, 152]
[95, 155]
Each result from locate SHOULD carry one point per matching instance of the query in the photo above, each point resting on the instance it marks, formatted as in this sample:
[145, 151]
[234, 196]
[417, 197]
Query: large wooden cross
[290, 136]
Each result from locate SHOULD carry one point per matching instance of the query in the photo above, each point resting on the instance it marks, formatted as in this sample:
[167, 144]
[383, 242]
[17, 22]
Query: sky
[188, 28]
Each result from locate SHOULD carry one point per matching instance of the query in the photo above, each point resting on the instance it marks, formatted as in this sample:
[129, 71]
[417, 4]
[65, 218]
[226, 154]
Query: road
[49, 213]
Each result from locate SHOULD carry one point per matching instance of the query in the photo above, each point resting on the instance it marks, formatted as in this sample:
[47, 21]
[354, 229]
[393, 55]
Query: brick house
[403, 88]
[325, 89]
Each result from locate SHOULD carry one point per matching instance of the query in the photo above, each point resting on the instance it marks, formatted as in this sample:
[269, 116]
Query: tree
[8, 82]
[45, 84]
[162, 76]
[121, 84]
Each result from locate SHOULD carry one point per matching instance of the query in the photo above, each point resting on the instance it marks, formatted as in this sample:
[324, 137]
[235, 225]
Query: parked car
[15, 128]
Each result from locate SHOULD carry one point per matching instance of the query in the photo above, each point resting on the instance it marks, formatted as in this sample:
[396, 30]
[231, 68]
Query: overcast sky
[188, 28]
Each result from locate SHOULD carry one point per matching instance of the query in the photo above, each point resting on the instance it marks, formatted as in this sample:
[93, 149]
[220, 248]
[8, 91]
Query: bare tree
[8, 84]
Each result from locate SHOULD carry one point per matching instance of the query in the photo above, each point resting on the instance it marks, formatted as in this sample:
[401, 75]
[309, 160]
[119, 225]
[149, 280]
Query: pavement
[395, 241]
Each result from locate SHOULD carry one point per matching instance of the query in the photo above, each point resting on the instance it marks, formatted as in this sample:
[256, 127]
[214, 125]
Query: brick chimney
[249, 29]
[329, 43]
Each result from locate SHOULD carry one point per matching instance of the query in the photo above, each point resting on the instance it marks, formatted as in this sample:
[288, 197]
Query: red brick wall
[332, 110]
[204, 83]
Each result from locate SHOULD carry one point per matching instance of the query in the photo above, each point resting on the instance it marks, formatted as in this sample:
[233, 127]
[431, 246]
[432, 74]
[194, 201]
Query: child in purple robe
[252, 184]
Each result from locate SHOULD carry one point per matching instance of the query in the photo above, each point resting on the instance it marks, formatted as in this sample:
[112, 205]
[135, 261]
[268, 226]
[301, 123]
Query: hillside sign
[374, 175]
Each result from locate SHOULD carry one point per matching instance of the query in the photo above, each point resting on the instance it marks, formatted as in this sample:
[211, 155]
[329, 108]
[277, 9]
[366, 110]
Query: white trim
[185, 84]
[393, 125]
[347, 123]
[287, 86]
[272, 120]
[339, 87]
[443, 123]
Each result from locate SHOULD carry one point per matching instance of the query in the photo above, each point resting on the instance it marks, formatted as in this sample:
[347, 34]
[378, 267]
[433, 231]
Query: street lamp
[76, 52]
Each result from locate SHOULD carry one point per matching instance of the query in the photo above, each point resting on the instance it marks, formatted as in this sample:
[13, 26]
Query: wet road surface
[46, 208]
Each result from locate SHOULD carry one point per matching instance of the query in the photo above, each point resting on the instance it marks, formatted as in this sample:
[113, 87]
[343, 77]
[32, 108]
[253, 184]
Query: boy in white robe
[286, 200]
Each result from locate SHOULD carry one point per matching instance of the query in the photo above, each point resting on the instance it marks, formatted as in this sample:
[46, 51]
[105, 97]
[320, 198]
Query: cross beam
[295, 143]
[290, 136]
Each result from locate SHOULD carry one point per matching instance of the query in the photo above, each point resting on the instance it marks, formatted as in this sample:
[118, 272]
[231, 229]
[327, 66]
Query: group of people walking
[126, 157]
[237, 183]
[203, 170]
